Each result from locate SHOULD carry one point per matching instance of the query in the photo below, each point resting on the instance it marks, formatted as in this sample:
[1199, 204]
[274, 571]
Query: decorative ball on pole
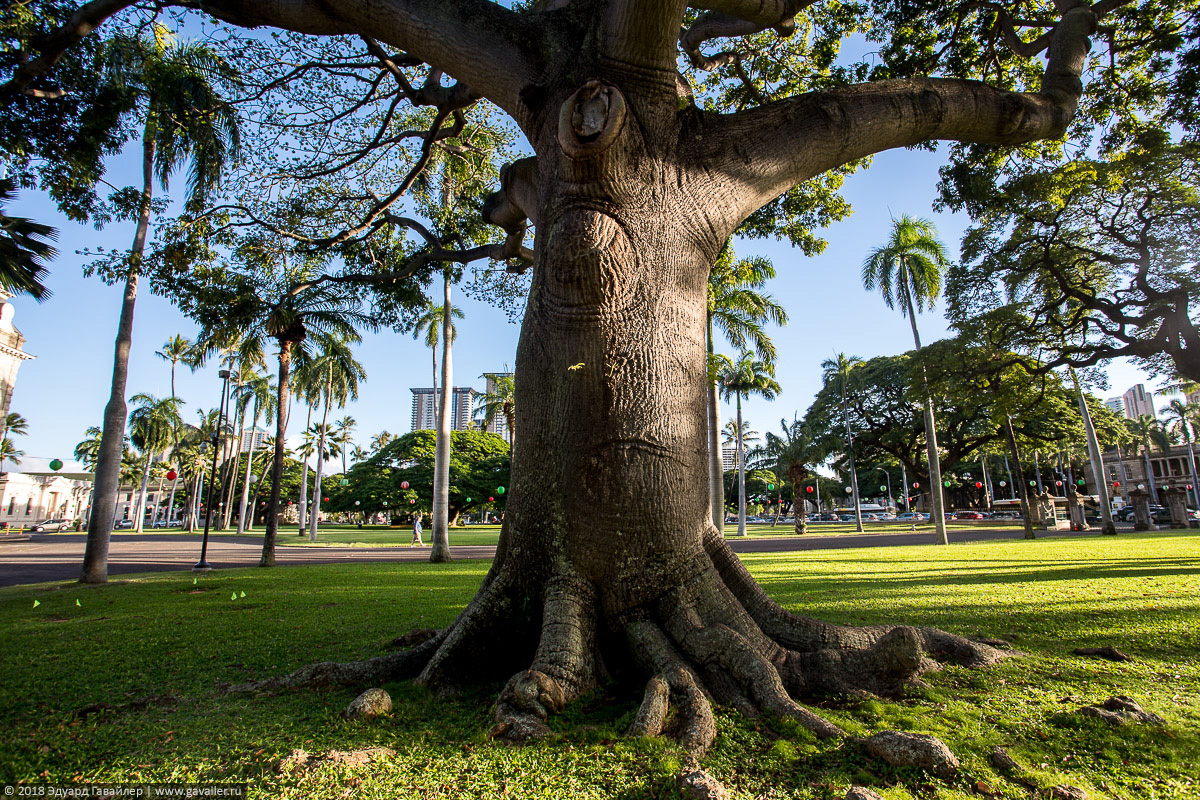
[978, 484]
[849, 490]
[882, 488]
[412, 502]
[171, 474]
[916, 485]
[56, 465]
[946, 484]
[358, 502]
[770, 487]
[403, 484]
[1003, 484]
[808, 489]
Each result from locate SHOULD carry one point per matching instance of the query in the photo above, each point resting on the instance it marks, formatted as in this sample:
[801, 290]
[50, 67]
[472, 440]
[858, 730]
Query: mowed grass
[164, 635]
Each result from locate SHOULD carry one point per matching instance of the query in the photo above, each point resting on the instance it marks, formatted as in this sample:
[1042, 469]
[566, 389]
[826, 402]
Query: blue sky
[63, 391]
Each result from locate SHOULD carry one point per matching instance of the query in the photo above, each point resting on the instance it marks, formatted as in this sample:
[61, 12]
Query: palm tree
[88, 450]
[747, 376]
[152, 427]
[380, 441]
[908, 271]
[281, 301]
[443, 315]
[789, 453]
[183, 116]
[839, 369]
[259, 392]
[430, 323]
[739, 309]
[1183, 420]
[174, 350]
[357, 454]
[501, 401]
[14, 423]
[9, 452]
[343, 432]
[25, 249]
[341, 375]
[1148, 432]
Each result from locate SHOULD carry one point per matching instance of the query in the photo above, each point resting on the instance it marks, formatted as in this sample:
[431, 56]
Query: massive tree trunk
[609, 558]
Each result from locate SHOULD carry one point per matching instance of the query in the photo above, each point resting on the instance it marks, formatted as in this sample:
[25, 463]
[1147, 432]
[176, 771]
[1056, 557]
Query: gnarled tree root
[373, 671]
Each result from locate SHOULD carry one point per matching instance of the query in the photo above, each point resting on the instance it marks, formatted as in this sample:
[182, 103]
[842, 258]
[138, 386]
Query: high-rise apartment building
[499, 423]
[1138, 402]
[424, 408]
[253, 438]
[1116, 405]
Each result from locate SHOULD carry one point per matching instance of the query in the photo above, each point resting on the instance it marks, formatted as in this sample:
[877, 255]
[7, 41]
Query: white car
[56, 525]
[911, 516]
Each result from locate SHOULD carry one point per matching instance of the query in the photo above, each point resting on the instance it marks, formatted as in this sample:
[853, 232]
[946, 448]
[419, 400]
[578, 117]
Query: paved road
[58, 557]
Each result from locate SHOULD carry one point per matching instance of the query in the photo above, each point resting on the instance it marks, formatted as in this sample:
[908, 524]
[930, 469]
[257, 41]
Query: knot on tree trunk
[591, 119]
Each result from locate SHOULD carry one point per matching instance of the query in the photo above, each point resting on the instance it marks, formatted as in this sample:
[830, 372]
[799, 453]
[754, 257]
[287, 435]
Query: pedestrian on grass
[416, 540]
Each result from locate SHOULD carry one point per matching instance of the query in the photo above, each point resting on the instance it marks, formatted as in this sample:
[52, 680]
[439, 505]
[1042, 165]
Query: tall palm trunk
[303, 510]
[931, 445]
[850, 459]
[237, 468]
[241, 528]
[281, 416]
[1108, 526]
[171, 501]
[140, 506]
[741, 459]
[157, 502]
[315, 516]
[716, 464]
[440, 540]
[112, 439]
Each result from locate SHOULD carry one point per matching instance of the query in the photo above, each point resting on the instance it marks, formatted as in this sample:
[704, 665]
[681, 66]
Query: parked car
[122, 525]
[1157, 513]
[968, 515]
[911, 516]
[46, 525]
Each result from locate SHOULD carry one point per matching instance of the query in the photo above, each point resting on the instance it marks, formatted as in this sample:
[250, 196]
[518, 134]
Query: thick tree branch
[760, 152]
[641, 34]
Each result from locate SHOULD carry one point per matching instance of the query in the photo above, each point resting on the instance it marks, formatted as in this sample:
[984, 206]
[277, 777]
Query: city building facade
[30, 497]
[1138, 402]
[424, 408]
[499, 423]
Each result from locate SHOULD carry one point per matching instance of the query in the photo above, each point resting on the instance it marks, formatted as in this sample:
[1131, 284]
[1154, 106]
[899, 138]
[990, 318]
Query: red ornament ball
[1116, 484]
[1058, 483]
[916, 485]
[412, 502]
[491, 499]
[403, 484]
[324, 499]
[172, 475]
[808, 489]
[978, 485]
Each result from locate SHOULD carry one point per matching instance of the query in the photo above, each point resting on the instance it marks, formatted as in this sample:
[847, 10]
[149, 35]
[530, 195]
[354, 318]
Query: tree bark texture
[303, 501]
[112, 437]
[439, 551]
[314, 516]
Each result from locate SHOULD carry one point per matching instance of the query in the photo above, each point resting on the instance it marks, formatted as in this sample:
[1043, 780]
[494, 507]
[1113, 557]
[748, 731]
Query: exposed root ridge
[807, 635]
[524, 705]
[392, 667]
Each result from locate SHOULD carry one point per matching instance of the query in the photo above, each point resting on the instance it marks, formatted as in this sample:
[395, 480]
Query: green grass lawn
[163, 634]
[383, 536]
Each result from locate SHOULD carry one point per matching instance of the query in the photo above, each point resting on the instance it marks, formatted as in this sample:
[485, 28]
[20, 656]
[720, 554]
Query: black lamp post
[202, 565]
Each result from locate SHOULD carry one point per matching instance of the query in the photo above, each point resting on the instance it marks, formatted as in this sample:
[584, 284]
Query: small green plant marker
[193, 581]
[78, 603]
[37, 603]
[233, 596]
[243, 594]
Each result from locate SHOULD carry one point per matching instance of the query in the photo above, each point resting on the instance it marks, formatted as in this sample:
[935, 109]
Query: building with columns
[12, 353]
[40, 494]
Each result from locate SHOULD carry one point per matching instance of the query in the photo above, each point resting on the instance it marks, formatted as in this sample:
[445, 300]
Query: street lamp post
[202, 565]
[888, 475]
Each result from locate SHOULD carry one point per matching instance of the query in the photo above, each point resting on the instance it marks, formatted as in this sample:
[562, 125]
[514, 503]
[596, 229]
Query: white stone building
[33, 496]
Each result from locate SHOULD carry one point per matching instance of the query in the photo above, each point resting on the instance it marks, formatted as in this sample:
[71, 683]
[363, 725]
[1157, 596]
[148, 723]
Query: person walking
[416, 540]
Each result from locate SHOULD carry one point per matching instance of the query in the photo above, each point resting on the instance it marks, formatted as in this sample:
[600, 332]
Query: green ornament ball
[499, 490]
[56, 465]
